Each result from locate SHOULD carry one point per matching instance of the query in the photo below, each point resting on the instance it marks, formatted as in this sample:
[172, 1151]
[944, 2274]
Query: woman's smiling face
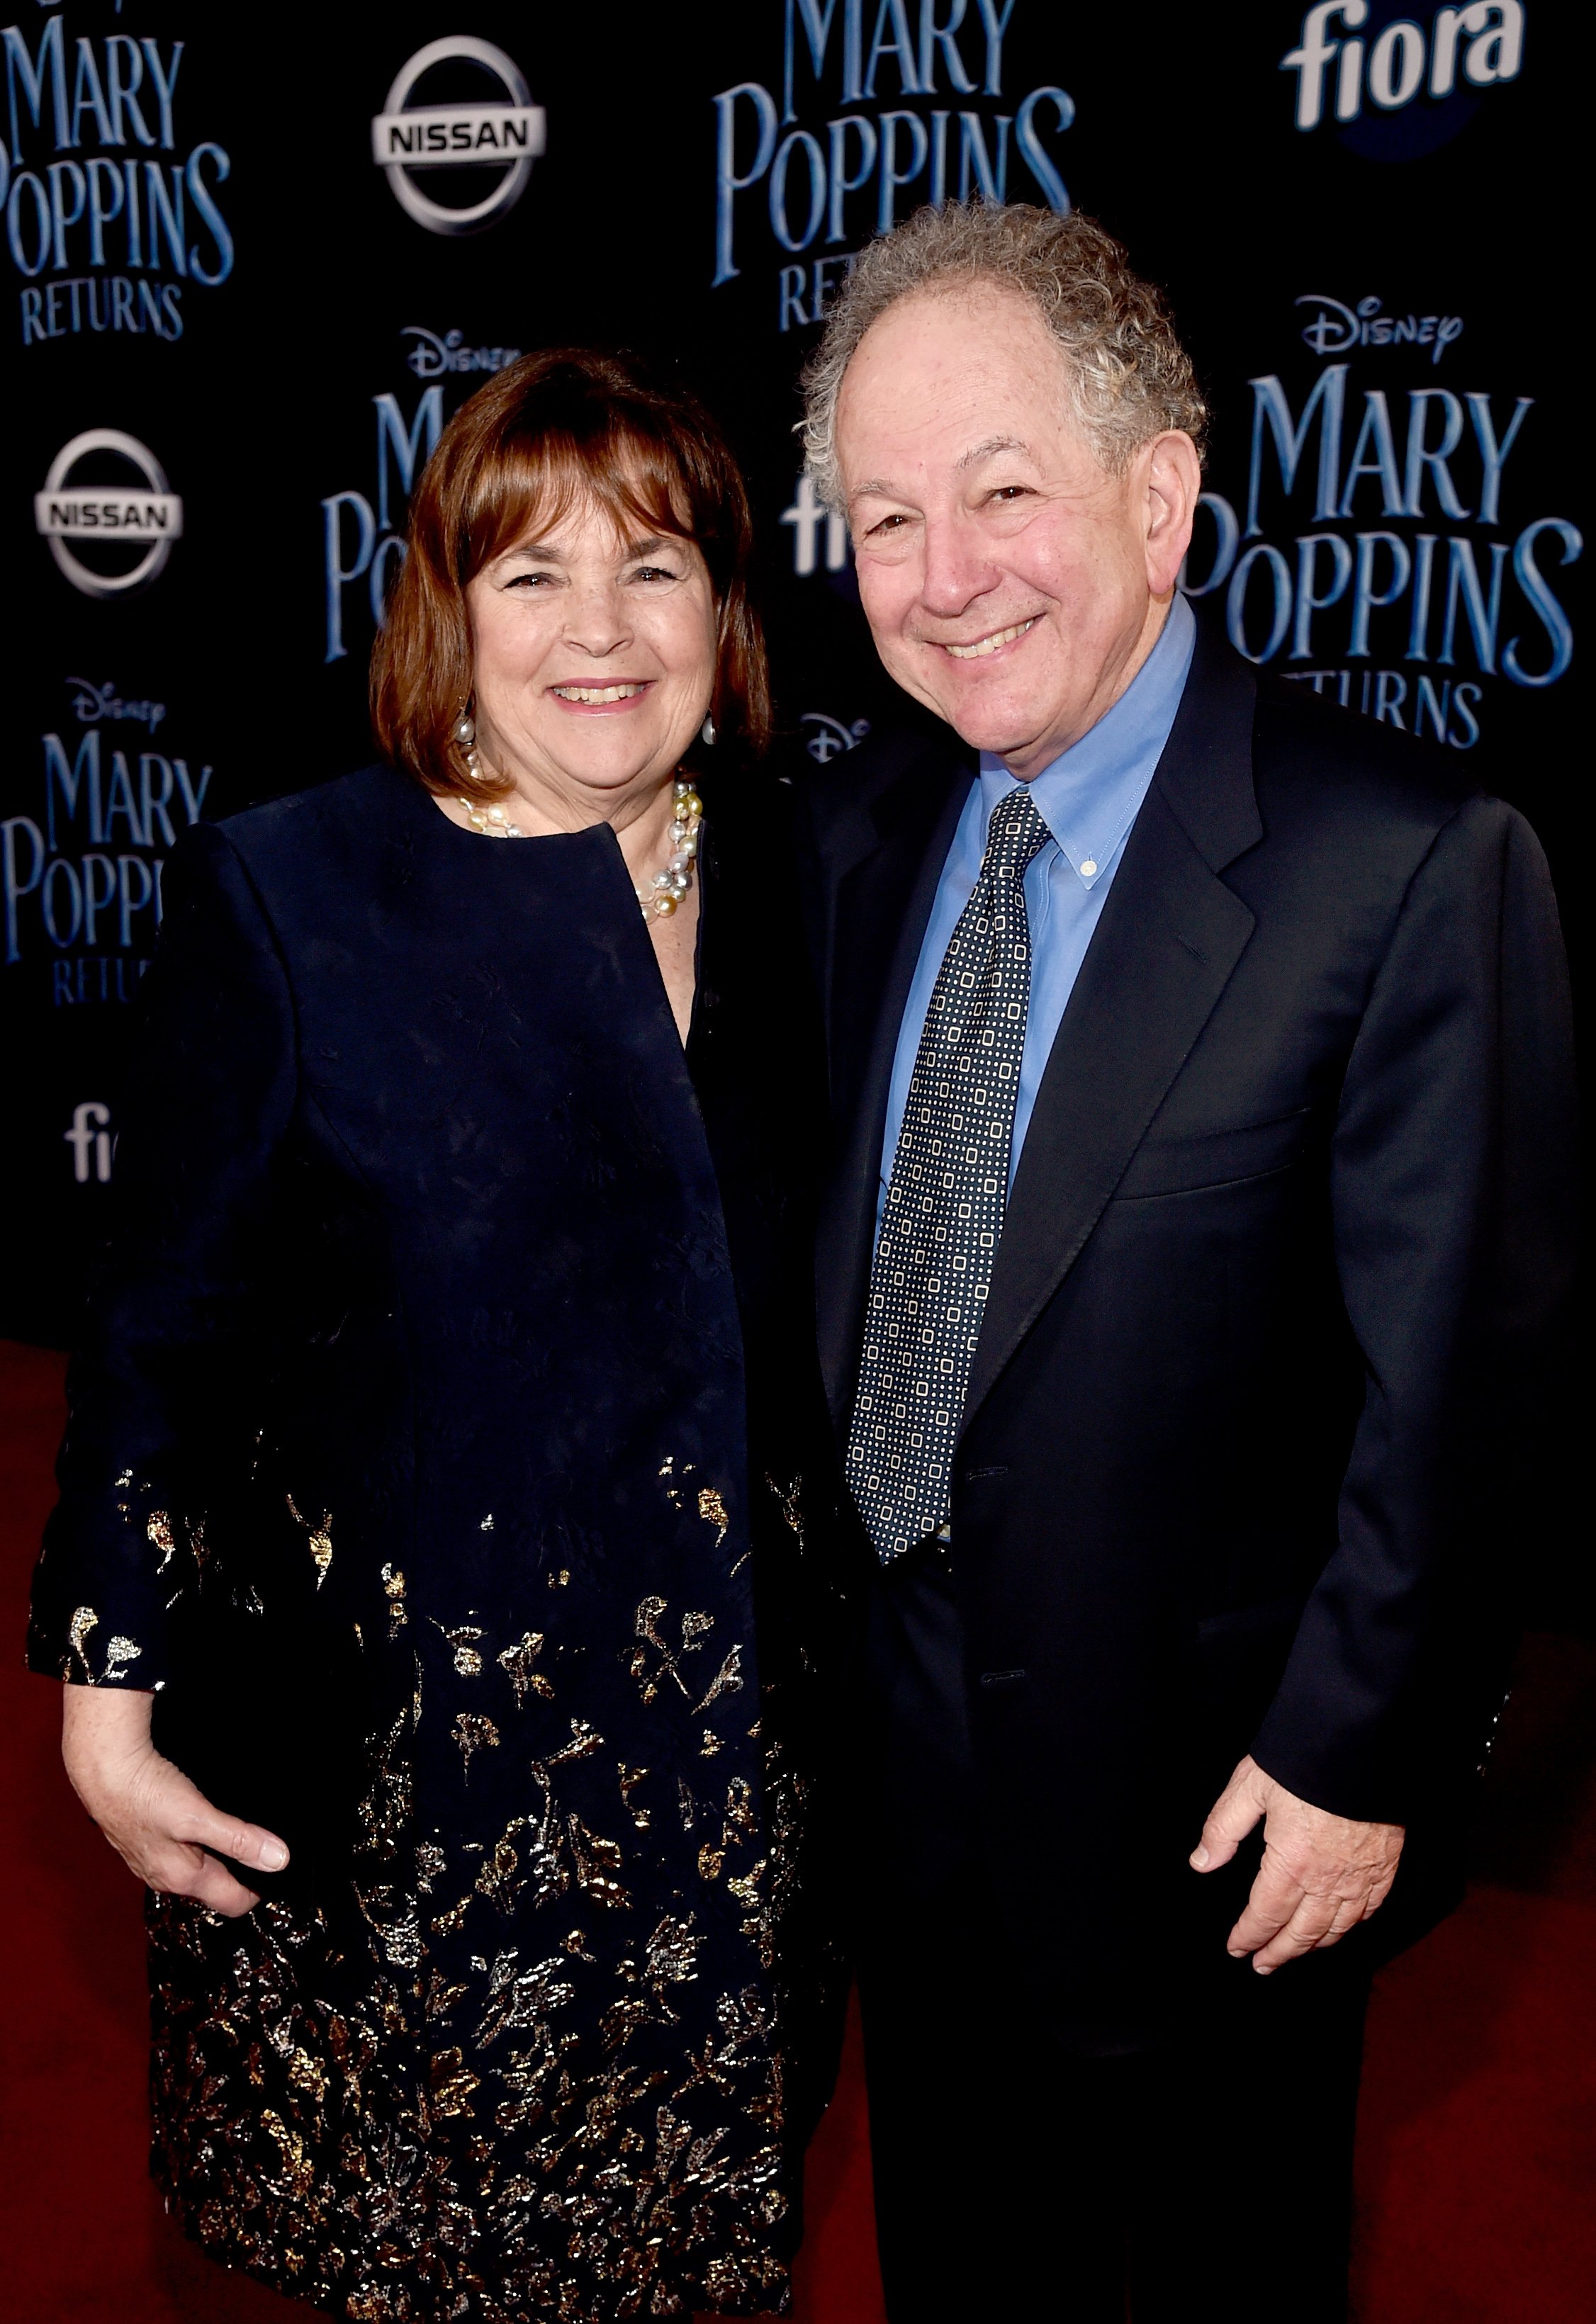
[594, 657]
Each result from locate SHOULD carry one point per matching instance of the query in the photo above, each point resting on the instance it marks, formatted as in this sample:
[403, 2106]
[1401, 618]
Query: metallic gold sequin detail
[468, 1654]
[630, 1777]
[458, 2104]
[474, 1732]
[393, 1588]
[712, 1508]
[727, 1679]
[453, 2083]
[516, 1663]
[790, 1500]
[77, 1629]
[318, 1538]
[585, 1738]
[598, 1862]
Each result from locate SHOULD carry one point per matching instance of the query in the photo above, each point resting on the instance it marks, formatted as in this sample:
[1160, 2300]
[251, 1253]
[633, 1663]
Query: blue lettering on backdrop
[83, 229]
[362, 544]
[81, 877]
[363, 537]
[851, 176]
[1456, 592]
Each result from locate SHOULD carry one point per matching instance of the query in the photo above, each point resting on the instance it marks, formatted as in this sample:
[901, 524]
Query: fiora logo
[89, 1135]
[118, 516]
[501, 133]
[1465, 48]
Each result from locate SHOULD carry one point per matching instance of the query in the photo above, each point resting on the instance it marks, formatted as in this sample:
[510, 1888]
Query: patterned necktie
[945, 1201]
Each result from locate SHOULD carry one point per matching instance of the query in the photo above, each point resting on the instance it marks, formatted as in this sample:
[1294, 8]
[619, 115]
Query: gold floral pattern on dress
[464, 1638]
[119, 1652]
[474, 1731]
[516, 1662]
[498, 2083]
[318, 1538]
[727, 1679]
[83, 1621]
[393, 1589]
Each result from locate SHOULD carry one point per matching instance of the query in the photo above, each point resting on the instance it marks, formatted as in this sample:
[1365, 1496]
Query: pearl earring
[465, 738]
[707, 732]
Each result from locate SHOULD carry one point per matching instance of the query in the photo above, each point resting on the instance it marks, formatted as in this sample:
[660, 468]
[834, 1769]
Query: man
[1200, 1054]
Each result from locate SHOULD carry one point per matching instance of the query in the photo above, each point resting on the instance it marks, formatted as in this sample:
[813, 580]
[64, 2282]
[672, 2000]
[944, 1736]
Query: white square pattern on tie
[944, 1213]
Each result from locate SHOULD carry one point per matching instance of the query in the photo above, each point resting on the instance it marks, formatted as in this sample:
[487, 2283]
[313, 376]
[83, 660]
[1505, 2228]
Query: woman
[445, 1461]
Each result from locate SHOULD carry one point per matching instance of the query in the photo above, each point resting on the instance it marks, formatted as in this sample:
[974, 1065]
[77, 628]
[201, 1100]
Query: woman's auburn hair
[549, 431]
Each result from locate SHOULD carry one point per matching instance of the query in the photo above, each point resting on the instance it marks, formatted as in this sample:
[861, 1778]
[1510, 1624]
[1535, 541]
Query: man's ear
[1173, 479]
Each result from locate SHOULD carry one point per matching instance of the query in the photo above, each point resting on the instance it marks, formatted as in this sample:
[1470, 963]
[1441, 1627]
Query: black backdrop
[233, 332]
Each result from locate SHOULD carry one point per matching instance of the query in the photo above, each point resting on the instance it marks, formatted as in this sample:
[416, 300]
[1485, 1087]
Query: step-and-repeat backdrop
[254, 259]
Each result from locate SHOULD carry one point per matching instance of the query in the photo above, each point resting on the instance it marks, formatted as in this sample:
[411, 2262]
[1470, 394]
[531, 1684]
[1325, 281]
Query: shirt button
[1088, 868]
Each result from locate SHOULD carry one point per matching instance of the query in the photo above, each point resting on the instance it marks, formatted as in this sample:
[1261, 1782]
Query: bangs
[565, 430]
[527, 485]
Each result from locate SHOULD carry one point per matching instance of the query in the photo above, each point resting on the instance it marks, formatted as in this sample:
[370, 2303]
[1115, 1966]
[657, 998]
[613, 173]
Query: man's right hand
[158, 1822]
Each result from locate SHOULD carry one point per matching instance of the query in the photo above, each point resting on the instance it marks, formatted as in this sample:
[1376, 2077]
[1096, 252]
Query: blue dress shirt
[1088, 799]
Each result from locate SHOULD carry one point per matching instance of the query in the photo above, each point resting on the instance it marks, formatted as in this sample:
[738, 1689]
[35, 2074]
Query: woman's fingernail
[1200, 1857]
[274, 1856]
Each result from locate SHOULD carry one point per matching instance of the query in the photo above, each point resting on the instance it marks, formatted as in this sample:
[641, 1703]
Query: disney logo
[1336, 327]
[831, 737]
[432, 357]
[92, 703]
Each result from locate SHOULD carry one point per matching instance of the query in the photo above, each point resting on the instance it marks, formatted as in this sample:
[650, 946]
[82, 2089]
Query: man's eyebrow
[992, 444]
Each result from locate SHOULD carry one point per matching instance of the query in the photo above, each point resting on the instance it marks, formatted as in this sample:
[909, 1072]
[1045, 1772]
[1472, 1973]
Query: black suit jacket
[1239, 1466]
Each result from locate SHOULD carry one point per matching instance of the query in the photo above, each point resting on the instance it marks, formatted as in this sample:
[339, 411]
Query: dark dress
[448, 1449]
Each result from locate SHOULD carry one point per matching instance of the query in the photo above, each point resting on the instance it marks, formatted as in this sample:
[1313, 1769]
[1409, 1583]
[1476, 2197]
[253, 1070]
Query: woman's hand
[157, 1821]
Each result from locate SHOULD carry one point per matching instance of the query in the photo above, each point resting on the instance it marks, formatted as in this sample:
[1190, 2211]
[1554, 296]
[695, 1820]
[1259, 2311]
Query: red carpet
[1477, 2163]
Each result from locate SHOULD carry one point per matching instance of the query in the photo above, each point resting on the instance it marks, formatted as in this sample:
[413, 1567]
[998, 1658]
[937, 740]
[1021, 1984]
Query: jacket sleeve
[210, 1093]
[1452, 1188]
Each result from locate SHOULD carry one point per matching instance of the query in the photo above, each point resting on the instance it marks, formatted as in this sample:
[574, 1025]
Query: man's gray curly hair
[1130, 378]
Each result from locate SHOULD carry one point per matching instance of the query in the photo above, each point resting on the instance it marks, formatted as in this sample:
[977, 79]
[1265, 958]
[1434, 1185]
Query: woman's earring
[707, 732]
[466, 737]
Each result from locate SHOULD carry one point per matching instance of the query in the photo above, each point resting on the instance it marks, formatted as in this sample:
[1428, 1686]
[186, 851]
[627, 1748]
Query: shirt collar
[1089, 795]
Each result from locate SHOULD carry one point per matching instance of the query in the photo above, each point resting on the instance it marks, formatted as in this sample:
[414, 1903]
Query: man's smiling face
[1012, 582]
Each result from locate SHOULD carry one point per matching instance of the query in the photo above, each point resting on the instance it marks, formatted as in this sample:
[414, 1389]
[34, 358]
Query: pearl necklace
[666, 890]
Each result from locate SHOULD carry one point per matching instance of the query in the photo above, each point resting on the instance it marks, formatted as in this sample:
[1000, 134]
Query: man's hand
[1321, 1874]
[161, 1824]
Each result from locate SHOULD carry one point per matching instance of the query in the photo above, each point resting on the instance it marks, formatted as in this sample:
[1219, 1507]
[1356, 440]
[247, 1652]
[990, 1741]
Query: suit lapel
[884, 899]
[1170, 934]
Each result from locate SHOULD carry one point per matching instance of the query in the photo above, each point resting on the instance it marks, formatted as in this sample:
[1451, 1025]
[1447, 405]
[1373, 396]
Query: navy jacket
[1260, 1370]
[447, 1447]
